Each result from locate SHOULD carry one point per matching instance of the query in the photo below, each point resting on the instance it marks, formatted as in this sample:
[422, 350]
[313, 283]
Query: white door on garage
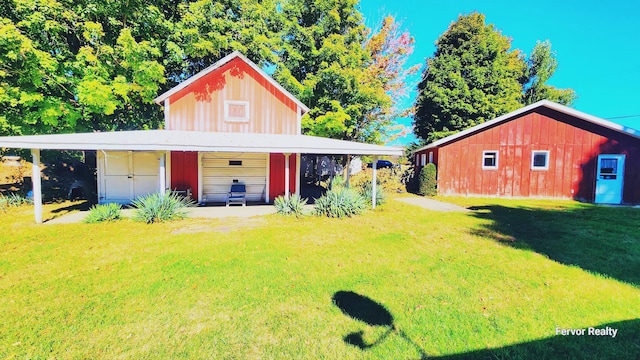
[127, 175]
[219, 170]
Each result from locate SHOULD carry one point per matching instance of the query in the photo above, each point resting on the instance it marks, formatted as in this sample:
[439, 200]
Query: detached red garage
[543, 150]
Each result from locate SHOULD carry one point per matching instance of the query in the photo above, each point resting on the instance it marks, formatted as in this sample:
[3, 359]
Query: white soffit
[174, 140]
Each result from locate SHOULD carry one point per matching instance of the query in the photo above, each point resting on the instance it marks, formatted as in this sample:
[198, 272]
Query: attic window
[489, 159]
[236, 111]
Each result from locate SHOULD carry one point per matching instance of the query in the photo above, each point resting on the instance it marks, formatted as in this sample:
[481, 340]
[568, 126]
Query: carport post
[374, 181]
[286, 176]
[162, 176]
[37, 185]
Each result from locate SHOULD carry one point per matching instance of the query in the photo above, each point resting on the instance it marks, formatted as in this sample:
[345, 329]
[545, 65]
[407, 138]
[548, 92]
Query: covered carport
[161, 142]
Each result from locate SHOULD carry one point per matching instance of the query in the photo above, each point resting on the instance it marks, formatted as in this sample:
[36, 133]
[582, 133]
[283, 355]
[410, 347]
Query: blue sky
[597, 43]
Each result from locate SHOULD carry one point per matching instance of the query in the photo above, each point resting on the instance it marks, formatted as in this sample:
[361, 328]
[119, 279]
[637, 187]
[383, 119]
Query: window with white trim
[490, 159]
[540, 160]
[423, 160]
[430, 157]
[236, 110]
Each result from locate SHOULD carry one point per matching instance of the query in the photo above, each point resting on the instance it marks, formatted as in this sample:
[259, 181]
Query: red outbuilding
[544, 150]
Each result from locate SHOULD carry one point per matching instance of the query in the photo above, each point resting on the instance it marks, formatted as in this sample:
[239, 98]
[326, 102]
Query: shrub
[388, 179]
[103, 212]
[292, 206]
[366, 191]
[340, 202]
[410, 180]
[13, 200]
[427, 180]
[158, 207]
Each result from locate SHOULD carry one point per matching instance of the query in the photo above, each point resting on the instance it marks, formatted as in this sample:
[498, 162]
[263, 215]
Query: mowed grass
[495, 282]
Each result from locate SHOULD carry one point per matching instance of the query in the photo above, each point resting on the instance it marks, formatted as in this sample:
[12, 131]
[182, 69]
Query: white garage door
[219, 170]
[127, 175]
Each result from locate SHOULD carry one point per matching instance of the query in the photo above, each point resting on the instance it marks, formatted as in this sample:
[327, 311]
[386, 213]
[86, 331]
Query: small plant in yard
[103, 212]
[427, 180]
[367, 189]
[158, 207]
[294, 205]
[340, 202]
[13, 200]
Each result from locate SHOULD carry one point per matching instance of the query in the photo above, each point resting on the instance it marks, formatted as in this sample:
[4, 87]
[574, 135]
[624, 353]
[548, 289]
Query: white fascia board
[170, 140]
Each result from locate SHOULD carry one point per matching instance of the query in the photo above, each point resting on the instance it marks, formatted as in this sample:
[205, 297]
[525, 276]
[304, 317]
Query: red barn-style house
[231, 123]
[543, 150]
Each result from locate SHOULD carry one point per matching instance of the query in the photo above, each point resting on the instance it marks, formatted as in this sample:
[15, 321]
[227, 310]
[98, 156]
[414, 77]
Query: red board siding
[573, 146]
[184, 171]
[276, 175]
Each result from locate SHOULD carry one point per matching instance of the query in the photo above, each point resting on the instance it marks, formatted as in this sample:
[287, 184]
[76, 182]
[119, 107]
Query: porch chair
[237, 194]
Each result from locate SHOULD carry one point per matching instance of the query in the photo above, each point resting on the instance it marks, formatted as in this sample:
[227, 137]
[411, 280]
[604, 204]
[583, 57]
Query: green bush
[427, 184]
[366, 191]
[103, 212]
[292, 206]
[158, 207]
[340, 202]
[388, 179]
[13, 200]
[410, 180]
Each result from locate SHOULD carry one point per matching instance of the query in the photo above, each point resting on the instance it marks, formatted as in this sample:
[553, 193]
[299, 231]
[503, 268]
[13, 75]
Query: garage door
[127, 175]
[219, 170]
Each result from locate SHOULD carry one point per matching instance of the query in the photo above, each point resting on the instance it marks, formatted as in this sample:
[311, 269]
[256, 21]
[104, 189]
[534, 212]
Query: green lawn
[400, 282]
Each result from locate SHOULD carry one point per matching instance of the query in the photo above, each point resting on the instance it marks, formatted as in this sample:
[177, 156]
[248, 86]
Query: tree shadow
[599, 239]
[372, 313]
[625, 345]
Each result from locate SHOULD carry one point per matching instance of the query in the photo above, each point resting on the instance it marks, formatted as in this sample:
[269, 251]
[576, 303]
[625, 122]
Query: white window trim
[533, 154]
[236, 119]
[430, 157]
[423, 159]
[484, 153]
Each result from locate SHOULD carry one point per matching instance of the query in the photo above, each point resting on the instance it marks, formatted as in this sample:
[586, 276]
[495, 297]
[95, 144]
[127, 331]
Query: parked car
[381, 164]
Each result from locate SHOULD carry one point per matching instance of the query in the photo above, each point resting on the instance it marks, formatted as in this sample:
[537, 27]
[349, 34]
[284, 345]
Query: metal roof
[218, 64]
[542, 103]
[176, 140]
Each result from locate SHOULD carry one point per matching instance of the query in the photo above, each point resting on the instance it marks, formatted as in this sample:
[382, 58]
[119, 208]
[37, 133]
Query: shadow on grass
[372, 313]
[625, 345]
[598, 239]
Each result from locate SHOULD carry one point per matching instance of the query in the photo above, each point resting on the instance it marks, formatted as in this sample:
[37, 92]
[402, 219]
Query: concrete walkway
[194, 212]
[432, 204]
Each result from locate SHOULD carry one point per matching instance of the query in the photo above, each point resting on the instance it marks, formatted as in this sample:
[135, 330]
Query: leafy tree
[542, 65]
[473, 77]
[348, 79]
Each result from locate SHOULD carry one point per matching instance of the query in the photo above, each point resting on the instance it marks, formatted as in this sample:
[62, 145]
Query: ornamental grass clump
[157, 207]
[366, 190]
[13, 200]
[340, 202]
[103, 212]
[293, 206]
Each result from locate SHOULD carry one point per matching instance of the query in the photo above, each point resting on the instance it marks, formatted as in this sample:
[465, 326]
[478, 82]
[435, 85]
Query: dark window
[540, 160]
[235, 162]
[489, 159]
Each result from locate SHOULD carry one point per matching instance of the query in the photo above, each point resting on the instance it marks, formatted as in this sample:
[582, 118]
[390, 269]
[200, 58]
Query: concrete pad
[432, 204]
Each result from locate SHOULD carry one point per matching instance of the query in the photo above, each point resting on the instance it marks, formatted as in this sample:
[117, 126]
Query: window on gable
[236, 110]
[540, 160]
[490, 159]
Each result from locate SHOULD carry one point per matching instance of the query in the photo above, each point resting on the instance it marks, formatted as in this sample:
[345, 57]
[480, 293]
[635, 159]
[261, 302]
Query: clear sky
[597, 42]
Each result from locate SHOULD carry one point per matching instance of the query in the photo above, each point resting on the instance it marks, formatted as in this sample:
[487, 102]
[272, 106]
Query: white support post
[286, 175]
[37, 185]
[348, 169]
[162, 174]
[298, 159]
[374, 182]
